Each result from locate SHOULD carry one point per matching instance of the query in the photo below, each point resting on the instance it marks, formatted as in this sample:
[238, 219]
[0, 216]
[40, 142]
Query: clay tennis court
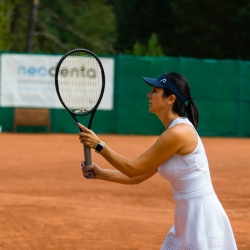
[46, 203]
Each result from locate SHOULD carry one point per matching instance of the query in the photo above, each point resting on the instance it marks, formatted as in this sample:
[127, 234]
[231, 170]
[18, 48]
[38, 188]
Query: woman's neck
[167, 120]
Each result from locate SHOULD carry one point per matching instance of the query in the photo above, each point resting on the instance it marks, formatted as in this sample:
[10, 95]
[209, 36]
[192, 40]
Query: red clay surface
[45, 203]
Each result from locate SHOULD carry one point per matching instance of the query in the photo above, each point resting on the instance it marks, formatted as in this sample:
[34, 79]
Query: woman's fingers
[87, 136]
[83, 128]
[86, 139]
[83, 135]
[87, 170]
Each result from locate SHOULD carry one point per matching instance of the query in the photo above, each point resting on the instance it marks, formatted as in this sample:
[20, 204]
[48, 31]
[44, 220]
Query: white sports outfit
[200, 222]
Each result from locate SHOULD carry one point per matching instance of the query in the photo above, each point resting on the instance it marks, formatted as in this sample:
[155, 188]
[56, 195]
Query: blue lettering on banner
[33, 71]
[42, 71]
[64, 72]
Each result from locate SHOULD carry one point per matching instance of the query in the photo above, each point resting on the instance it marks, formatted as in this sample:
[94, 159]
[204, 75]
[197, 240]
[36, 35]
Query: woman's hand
[99, 173]
[88, 137]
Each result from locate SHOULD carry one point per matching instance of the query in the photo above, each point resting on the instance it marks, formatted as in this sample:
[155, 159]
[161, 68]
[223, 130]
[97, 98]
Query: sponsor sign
[29, 81]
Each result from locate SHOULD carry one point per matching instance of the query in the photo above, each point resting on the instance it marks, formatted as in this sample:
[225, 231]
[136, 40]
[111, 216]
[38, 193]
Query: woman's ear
[171, 99]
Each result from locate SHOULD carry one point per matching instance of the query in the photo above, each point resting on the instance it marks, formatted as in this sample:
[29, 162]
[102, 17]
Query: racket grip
[88, 160]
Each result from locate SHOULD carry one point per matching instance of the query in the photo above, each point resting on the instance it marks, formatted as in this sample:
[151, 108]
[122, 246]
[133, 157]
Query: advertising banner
[29, 81]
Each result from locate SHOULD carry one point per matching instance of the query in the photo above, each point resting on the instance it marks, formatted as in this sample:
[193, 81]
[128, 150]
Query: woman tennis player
[200, 221]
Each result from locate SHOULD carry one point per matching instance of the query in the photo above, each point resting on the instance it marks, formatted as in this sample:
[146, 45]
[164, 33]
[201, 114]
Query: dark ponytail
[192, 113]
[191, 110]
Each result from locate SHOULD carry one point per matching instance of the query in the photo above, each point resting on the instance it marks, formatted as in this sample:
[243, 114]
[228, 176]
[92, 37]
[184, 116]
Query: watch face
[99, 147]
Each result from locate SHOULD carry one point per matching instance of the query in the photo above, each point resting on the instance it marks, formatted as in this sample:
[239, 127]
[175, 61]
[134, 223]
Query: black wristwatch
[99, 147]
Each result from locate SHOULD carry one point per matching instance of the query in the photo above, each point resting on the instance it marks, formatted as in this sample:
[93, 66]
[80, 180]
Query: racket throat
[91, 119]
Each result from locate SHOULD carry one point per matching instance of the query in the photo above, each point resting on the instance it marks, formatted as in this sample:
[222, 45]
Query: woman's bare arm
[116, 175]
[167, 145]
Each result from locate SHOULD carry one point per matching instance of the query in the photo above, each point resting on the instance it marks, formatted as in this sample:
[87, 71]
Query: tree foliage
[9, 13]
[191, 28]
[61, 25]
[153, 48]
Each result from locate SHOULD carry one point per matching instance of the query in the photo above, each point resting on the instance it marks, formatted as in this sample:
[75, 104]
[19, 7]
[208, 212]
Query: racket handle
[88, 160]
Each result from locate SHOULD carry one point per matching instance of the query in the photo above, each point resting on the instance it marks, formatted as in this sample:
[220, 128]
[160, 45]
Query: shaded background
[206, 41]
[220, 88]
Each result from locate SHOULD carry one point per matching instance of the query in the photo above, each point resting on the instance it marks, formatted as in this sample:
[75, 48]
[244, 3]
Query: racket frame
[87, 150]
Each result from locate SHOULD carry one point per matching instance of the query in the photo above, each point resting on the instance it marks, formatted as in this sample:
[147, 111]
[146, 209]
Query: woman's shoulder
[176, 133]
[181, 130]
[186, 134]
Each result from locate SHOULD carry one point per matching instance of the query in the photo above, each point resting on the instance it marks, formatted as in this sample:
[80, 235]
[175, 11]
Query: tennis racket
[80, 83]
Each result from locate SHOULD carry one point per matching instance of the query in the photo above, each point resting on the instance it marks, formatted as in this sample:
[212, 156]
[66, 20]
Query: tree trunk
[31, 27]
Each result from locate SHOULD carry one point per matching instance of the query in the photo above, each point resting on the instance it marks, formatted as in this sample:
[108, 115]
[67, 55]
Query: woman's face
[157, 101]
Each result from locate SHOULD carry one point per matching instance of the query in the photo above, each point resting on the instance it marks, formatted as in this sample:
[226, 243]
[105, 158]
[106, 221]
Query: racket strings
[80, 82]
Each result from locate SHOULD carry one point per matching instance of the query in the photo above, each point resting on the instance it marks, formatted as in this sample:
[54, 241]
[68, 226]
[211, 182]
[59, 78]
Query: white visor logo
[163, 80]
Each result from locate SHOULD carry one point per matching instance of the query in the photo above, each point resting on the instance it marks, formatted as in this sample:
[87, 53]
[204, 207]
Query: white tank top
[187, 173]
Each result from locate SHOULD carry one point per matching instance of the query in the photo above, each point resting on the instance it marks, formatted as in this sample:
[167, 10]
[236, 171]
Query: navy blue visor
[165, 82]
